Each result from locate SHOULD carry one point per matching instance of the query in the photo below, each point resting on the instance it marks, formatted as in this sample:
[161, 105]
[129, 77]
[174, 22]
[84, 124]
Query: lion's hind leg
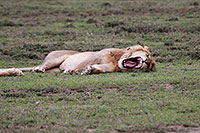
[54, 59]
[51, 63]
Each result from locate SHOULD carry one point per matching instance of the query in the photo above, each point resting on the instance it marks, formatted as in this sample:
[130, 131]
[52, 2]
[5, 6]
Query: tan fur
[106, 60]
[11, 72]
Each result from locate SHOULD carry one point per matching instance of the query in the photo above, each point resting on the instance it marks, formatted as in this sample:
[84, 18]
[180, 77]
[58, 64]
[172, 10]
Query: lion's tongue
[131, 63]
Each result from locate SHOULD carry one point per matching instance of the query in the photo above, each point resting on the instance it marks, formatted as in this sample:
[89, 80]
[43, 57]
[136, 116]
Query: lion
[131, 59]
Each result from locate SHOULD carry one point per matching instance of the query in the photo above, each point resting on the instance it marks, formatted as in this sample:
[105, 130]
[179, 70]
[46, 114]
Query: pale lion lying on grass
[131, 59]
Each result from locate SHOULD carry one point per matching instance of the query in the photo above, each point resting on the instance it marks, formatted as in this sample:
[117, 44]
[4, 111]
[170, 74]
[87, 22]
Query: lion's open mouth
[130, 63]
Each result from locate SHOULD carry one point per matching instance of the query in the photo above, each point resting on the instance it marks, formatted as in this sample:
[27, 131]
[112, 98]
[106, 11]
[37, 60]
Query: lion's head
[137, 58]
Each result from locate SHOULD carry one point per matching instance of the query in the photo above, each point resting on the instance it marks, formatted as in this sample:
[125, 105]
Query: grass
[165, 101]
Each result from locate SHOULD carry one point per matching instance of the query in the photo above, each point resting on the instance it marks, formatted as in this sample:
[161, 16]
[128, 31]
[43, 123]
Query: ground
[164, 101]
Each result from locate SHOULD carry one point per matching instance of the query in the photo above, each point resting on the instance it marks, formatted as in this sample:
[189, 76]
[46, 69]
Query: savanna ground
[165, 101]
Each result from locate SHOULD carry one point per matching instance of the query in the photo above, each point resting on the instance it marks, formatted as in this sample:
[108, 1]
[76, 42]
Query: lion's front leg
[73, 71]
[92, 69]
[98, 68]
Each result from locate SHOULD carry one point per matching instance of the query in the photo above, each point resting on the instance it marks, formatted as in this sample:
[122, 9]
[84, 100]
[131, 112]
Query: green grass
[164, 101]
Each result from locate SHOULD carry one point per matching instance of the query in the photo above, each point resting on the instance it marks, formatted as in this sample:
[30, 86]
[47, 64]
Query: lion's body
[106, 60]
[103, 61]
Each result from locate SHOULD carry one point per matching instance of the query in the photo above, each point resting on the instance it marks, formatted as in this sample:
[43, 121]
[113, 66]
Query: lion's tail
[15, 71]
[27, 69]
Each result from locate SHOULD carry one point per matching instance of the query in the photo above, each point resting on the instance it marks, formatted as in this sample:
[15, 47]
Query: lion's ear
[147, 48]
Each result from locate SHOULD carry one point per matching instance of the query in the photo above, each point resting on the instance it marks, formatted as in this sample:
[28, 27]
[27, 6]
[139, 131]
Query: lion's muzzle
[134, 62]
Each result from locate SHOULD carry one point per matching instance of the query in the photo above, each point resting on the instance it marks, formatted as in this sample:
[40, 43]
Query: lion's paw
[69, 72]
[39, 69]
[88, 70]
